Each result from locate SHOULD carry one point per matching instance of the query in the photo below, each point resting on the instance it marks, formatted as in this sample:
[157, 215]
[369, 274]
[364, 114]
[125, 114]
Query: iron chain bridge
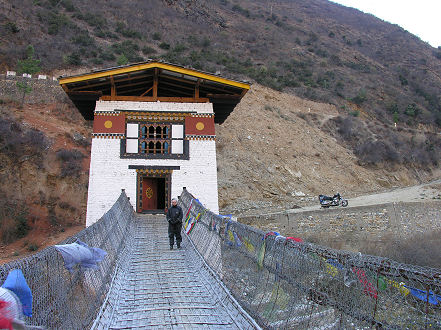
[227, 275]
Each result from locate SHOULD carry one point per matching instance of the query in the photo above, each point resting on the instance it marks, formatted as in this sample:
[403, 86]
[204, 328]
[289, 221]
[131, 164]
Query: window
[155, 139]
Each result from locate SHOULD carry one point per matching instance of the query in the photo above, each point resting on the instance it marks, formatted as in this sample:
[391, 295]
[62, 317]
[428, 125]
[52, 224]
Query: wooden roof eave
[146, 66]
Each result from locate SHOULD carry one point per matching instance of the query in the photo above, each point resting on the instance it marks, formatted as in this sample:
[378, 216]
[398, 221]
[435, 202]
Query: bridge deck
[162, 288]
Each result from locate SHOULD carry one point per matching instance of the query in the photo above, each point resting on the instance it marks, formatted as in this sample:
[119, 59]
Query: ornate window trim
[185, 155]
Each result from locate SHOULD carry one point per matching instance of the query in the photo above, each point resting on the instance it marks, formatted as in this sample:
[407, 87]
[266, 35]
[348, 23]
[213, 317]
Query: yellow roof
[150, 65]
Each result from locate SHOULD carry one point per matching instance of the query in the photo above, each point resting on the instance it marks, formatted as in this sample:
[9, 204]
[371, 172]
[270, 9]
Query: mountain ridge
[313, 49]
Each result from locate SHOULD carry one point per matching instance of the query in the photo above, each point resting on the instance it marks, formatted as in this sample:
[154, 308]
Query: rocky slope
[44, 160]
[275, 150]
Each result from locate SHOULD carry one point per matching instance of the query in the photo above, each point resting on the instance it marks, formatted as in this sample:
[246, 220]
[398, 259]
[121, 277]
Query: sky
[419, 17]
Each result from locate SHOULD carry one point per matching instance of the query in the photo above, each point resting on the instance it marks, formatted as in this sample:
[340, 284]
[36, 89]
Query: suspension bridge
[227, 275]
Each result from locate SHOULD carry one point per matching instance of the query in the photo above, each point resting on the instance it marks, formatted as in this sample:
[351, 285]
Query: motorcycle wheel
[344, 203]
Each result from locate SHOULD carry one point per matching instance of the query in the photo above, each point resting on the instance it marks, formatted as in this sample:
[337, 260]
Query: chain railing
[71, 300]
[283, 283]
[278, 281]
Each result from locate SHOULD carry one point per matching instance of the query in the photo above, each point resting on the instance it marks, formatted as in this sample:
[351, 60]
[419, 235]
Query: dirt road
[428, 191]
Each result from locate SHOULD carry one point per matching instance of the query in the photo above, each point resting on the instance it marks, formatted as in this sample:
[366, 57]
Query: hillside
[44, 162]
[296, 150]
[314, 49]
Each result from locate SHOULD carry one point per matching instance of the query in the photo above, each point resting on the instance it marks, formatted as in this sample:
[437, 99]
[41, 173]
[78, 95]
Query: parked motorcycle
[336, 200]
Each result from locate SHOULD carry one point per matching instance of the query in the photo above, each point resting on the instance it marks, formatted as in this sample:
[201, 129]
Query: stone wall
[367, 223]
[43, 90]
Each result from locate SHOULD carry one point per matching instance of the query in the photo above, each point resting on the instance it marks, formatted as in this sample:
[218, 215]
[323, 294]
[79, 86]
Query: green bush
[156, 36]
[97, 61]
[360, 98]
[312, 38]
[94, 20]
[354, 113]
[68, 5]
[129, 49]
[56, 22]
[206, 42]
[194, 41]
[106, 55]
[22, 226]
[392, 107]
[146, 50]
[242, 11]
[365, 68]
[164, 45]
[11, 27]
[321, 52]
[102, 33]
[412, 110]
[122, 60]
[32, 247]
[72, 59]
[179, 48]
[83, 39]
[403, 80]
[127, 32]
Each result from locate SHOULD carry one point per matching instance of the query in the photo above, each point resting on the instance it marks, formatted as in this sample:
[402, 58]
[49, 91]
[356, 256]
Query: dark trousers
[175, 230]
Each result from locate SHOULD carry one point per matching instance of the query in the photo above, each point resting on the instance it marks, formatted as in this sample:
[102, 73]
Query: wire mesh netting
[279, 282]
[287, 284]
[71, 300]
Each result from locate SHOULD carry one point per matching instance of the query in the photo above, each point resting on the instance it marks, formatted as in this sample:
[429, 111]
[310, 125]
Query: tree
[29, 66]
[395, 117]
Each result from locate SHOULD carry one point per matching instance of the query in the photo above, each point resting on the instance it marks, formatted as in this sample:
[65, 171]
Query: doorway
[153, 194]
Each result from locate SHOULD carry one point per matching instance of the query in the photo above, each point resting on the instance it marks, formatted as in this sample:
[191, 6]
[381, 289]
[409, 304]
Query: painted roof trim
[150, 65]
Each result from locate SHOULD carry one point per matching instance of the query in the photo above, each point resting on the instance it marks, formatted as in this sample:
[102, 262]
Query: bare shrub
[13, 221]
[70, 162]
[20, 143]
[377, 143]
[374, 152]
[64, 205]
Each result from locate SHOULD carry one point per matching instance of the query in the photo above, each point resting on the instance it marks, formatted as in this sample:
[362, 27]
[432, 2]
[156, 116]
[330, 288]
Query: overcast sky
[419, 17]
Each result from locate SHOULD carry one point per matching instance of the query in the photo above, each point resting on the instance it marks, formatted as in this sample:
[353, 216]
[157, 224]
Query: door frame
[152, 173]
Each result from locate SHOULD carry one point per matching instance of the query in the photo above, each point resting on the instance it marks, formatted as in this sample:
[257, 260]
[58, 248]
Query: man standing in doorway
[174, 218]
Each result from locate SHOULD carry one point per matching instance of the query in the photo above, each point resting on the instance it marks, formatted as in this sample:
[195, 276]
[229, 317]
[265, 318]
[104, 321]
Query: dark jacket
[174, 215]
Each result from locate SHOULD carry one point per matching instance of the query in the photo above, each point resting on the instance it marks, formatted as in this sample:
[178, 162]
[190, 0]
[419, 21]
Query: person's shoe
[179, 246]
[171, 247]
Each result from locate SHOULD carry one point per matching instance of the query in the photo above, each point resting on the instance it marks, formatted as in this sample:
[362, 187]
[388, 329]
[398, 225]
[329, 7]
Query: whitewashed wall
[154, 106]
[109, 173]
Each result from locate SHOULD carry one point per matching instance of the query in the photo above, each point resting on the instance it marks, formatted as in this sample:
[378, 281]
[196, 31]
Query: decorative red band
[109, 124]
[199, 126]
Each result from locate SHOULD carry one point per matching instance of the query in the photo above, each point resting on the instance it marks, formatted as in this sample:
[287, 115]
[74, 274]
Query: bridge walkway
[156, 287]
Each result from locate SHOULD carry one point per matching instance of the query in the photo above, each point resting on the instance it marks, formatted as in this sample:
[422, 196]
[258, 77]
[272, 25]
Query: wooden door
[149, 194]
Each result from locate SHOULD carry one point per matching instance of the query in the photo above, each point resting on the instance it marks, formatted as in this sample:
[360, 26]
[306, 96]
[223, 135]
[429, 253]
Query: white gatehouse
[153, 133]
